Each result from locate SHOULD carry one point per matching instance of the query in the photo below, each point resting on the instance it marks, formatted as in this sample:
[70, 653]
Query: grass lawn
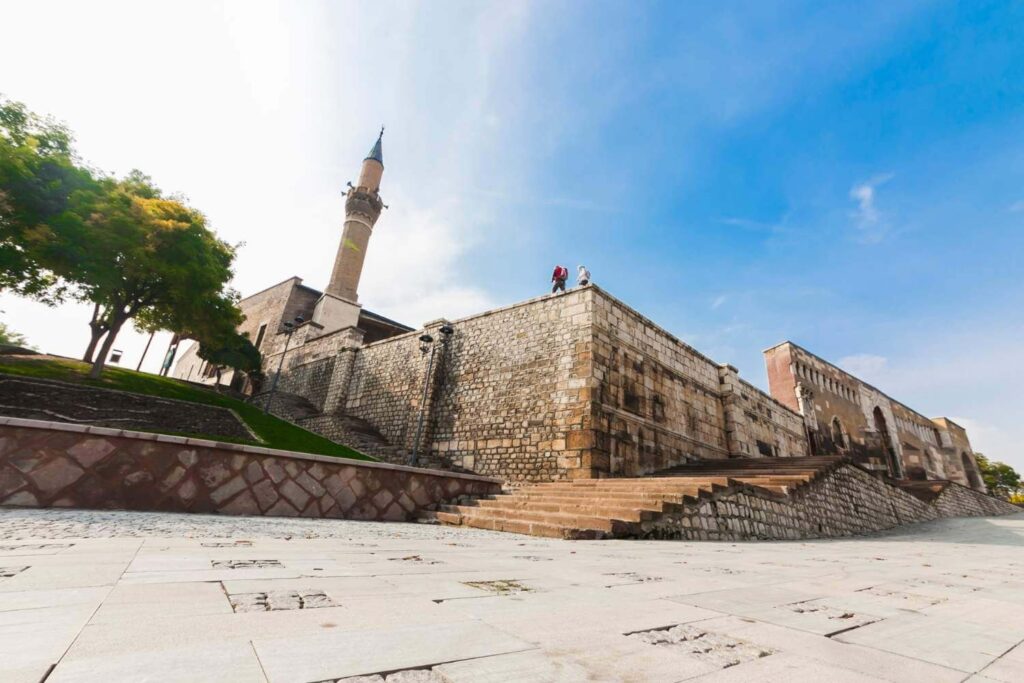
[274, 432]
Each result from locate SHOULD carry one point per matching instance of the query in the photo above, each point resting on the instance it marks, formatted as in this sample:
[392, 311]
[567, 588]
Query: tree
[43, 191]
[1000, 479]
[120, 245]
[146, 253]
[11, 338]
[213, 318]
[235, 351]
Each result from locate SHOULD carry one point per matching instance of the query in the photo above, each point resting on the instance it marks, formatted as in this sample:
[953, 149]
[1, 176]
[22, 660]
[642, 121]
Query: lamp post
[427, 342]
[289, 330]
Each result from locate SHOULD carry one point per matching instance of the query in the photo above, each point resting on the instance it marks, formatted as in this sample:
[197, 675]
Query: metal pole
[423, 405]
[145, 351]
[277, 376]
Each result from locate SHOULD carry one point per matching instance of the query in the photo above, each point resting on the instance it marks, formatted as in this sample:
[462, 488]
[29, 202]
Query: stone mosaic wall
[45, 464]
[845, 501]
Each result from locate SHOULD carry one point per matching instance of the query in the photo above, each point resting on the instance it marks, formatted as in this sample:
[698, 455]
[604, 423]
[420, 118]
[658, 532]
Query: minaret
[362, 209]
[339, 305]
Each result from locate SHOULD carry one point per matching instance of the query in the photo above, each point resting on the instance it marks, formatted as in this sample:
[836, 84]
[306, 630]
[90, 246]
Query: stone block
[55, 475]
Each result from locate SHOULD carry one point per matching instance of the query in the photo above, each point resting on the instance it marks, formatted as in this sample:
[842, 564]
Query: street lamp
[289, 330]
[427, 344]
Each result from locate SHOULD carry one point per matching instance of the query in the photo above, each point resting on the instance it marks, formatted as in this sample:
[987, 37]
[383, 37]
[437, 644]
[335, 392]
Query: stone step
[623, 498]
[511, 526]
[605, 524]
[633, 513]
[616, 483]
[611, 498]
[621, 507]
[638, 489]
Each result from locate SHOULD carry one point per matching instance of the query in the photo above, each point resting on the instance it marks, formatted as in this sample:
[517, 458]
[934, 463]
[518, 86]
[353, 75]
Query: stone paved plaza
[119, 596]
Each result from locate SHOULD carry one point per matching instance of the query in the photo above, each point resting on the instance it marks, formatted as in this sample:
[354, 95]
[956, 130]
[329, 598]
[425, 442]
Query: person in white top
[582, 276]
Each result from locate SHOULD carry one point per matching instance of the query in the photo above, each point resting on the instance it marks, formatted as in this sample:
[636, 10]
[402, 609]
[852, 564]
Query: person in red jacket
[559, 277]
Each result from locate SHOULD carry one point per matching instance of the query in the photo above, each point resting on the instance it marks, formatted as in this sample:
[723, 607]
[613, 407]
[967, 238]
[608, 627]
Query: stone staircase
[628, 508]
[352, 431]
[356, 433]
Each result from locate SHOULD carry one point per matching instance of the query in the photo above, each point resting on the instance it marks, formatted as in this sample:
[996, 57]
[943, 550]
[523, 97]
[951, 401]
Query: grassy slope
[274, 432]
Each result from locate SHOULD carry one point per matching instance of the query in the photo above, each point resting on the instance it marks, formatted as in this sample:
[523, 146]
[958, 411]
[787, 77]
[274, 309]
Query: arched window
[838, 434]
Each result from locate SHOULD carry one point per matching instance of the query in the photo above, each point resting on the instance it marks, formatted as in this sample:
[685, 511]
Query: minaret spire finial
[376, 154]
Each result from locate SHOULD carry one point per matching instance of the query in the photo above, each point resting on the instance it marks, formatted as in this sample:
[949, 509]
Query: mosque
[571, 385]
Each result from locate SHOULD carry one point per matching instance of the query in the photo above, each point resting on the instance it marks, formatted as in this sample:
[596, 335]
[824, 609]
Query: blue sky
[845, 175]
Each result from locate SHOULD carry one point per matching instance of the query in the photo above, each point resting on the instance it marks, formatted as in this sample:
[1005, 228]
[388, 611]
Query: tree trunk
[101, 358]
[145, 351]
[97, 328]
[96, 334]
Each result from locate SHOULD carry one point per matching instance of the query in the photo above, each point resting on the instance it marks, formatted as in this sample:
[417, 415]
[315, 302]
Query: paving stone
[501, 587]
[245, 564]
[707, 646]
[279, 600]
[79, 605]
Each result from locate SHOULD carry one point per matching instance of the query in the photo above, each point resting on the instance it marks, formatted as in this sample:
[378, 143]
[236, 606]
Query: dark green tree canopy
[1001, 480]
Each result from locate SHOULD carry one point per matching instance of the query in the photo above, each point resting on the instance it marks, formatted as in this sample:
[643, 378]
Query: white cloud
[412, 273]
[867, 217]
[866, 366]
[262, 120]
[1017, 206]
[717, 302]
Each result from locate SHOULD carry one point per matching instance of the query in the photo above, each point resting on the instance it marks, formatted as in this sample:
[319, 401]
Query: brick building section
[846, 416]
[573, 385]
[265, 313]
[658, 402]
[47, 464]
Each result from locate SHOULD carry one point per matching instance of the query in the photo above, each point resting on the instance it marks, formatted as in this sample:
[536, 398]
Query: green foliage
[44, 193]
[274, 432]
[120, 245]
[12, 338]
[233, 351]
[1000, 479]
[150, 256]
[147, 253]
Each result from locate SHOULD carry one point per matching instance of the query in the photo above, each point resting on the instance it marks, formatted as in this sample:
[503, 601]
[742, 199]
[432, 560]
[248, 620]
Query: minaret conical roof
[377, 153]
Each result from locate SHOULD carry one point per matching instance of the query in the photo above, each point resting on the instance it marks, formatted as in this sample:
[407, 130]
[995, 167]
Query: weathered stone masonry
[847, 416]
[563, 386]
[47, 464]
[845, 501]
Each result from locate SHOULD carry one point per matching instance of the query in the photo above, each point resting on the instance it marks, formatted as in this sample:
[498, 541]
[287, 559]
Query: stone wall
[42, 399]
[563, 386]
[267, 309]
[847, 416]
[46, 464]
[506, 392]
[845, 501]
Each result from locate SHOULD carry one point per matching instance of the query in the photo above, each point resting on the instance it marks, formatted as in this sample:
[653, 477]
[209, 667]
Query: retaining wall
[843, 501]
[48, 464]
